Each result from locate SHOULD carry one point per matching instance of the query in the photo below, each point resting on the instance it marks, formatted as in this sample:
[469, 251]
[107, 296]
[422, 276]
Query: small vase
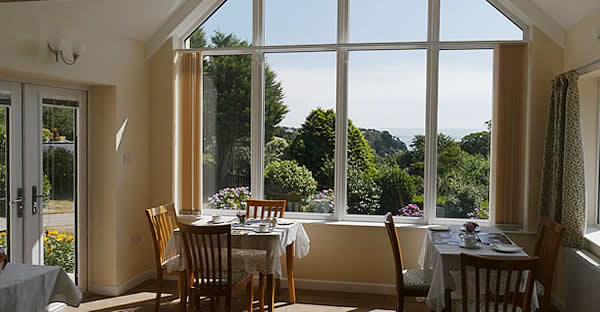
[242, 219]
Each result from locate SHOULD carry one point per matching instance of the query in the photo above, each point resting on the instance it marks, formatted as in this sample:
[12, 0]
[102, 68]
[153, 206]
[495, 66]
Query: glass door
[11, 191]
[54, 141]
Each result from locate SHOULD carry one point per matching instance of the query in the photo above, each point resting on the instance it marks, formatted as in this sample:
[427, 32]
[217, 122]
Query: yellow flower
[2, 233]
[53, 233]
[45, 238]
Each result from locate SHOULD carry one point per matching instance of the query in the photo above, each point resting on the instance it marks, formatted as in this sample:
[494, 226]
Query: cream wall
[116, 72]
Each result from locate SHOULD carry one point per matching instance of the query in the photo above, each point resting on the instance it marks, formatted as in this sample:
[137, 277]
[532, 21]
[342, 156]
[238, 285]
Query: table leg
[270, 292]
[261, 292]
[290, 257]
[183, 289]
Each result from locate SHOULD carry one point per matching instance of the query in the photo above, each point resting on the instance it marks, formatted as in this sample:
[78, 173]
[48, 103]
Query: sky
[386, 89]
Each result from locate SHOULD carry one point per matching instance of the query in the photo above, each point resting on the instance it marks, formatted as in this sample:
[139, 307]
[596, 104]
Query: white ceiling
[134, 19]
[568, 12]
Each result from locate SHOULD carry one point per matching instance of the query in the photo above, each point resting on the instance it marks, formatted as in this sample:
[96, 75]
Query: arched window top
[313, 22]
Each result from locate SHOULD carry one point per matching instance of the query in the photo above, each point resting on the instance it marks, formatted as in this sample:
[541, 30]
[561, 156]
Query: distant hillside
[383, 142]
[407, 134]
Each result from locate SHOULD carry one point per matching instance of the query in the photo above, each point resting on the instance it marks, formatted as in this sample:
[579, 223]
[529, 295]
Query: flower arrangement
[322, 201]
[241, 215]
[59, 250]
[410, 210]
[471, 227]
[233, 198]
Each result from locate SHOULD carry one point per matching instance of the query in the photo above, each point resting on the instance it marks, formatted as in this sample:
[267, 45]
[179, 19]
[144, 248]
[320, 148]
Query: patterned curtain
[563, 185]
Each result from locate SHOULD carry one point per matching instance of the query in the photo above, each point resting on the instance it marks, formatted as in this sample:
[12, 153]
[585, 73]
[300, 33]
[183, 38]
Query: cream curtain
[508, 134]
[563, 184]
[188, 103]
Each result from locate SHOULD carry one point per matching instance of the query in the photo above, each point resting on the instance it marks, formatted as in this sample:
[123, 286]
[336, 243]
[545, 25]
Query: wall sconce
[59, 48]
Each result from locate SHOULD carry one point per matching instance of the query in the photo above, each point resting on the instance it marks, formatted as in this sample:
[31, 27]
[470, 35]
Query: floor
[141, 299]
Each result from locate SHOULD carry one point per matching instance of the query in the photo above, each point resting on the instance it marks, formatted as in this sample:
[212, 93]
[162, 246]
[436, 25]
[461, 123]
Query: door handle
[34, 199]
[20, 202]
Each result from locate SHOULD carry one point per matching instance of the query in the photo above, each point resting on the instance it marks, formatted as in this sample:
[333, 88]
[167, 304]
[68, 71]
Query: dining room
[262, 155]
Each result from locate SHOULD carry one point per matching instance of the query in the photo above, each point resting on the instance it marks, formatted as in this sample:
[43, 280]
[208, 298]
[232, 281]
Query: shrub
[322, 201]
[364, 194]
[398, 188]
[287, 177]
[59, 250]
[230, 198]
[275, 149]
[483, 212]
[410, 210]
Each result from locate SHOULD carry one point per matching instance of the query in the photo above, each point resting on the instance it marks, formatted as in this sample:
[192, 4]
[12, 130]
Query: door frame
[32, 96]
[15, 175]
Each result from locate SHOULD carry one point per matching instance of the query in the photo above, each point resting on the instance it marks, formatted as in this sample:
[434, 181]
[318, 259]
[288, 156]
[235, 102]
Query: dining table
[440, 260]
[252, 250]
[27, 288]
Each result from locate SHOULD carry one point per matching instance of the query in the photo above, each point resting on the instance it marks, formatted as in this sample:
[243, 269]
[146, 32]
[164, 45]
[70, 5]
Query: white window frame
[433, 45]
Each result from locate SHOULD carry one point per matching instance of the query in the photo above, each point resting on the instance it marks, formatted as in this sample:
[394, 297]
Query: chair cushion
[414, 280]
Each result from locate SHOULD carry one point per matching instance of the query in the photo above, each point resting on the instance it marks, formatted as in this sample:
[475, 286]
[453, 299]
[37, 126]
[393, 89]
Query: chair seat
[414, 281]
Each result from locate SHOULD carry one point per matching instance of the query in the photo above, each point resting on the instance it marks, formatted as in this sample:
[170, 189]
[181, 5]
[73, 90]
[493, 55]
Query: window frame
[432, 46]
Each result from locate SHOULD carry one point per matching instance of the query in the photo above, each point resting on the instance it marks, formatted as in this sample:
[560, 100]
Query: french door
[46, 177]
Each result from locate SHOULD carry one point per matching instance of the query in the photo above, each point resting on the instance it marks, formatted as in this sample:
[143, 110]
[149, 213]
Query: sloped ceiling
[568, 12]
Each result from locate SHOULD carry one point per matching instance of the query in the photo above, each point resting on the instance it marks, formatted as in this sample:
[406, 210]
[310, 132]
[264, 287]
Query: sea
[406, 135]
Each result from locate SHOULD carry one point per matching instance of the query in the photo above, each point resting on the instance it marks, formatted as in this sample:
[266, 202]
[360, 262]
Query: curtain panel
[188, 112]
[563, 184]
[508, 135]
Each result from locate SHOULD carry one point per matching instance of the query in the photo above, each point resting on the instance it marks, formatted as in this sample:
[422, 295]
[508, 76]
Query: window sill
[592, 234]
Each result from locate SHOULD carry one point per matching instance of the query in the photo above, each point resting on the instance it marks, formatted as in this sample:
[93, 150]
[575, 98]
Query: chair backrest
[162, 220]
[397, 251]
[208, 255]
[548, 241]
[502, 282]
[265, 208]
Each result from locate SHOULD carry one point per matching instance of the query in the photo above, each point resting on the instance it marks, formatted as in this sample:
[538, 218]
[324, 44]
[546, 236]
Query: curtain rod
[584, 68]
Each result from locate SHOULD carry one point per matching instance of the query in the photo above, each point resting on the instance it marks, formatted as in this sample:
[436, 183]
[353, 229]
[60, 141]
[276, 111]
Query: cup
[470, 241]
[216, 219]
[274, 222]
[262, 227]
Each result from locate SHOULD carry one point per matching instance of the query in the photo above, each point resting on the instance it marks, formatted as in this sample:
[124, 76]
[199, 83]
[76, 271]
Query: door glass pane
[464, 124]
[4, 187]
[300, 130]
[59, 146]
[386, 128]
[226, 131]
[229, 26]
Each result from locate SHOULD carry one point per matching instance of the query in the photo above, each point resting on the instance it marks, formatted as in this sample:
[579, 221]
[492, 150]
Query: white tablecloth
[252, 252]
[30, 288]
[441, 262]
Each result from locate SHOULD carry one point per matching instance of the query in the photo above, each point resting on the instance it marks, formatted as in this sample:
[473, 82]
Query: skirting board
[123, 287]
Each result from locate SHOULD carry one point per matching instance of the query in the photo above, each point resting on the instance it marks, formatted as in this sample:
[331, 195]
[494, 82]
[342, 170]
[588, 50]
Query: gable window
[350, 109]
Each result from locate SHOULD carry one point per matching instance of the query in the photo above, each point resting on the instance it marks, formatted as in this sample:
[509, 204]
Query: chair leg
[228, 303]
[400, 304]
[213, 304]
[158, 289]
[448, 298]
[277, 286]
[261, 287]
[250, 290]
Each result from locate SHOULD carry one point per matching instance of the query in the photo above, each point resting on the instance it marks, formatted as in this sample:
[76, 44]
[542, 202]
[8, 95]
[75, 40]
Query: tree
[398, 188]
[314, 146]
[384, 143]
[227, 81]
[477, 143]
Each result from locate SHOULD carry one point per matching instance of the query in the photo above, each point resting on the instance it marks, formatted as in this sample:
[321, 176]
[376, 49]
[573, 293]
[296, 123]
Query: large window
[353, 108]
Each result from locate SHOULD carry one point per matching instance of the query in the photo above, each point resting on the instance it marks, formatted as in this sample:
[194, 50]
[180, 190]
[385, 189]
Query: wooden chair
[546, 248]
[502, 278]
[409, 283]
[260, 209]
[208, 264]
[162, 220]
[257, 208]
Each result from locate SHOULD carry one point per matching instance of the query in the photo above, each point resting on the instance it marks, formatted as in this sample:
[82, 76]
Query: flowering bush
[410, 210]
[230, 198]
[3, 240]
[481, 212]
[322, 201]
[59, 250]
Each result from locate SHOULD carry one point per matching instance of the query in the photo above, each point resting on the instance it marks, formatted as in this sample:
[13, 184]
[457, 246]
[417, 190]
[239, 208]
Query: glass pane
[292, 22]
[300, 130]
[386, 108]
[4, 186]
[475, 20]
[464, 123]
[226, 131]
[59, 183]
[229, 26]
[388, 20]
